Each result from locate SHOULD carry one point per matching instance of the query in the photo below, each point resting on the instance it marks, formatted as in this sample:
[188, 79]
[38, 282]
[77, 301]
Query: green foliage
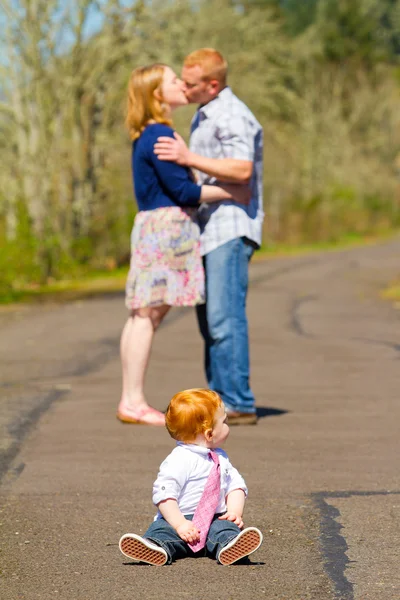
[320, 75]
[18, 256]
[351, 29]
[299, 14]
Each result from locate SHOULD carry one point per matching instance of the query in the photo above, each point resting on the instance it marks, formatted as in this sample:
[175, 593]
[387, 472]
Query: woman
[166, 268]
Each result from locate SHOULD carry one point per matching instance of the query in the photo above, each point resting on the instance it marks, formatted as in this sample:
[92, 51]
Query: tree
[54, 95]
[351, 30]
[299, 14]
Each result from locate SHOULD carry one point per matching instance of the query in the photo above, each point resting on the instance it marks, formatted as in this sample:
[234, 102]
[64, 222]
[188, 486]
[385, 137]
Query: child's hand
[230, 516]
[187, 532]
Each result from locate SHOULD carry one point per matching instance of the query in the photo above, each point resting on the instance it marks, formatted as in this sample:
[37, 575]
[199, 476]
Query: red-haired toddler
[200, 496]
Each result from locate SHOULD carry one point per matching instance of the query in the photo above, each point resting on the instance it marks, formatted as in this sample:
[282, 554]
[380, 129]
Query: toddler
[200, 496]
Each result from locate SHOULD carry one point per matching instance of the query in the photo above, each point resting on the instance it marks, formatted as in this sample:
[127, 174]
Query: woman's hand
[188, 532]
[230, 516]
[239, 193]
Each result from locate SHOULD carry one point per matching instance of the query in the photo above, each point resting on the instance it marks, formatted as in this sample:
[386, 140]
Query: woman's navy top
[158, 183]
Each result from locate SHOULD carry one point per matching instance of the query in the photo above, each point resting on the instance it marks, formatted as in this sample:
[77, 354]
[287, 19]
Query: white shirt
[183, 475]
[226, 128]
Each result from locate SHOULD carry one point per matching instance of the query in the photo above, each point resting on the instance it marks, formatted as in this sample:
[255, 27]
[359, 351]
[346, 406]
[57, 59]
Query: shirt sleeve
[236, 136]
[170, 479]
[234, 480]
[176, 180]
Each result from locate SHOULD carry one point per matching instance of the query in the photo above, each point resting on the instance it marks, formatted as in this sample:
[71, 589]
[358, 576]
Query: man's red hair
[212, 63]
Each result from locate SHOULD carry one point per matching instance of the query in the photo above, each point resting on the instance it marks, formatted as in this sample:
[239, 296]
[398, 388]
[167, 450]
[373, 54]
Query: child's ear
[208, 434]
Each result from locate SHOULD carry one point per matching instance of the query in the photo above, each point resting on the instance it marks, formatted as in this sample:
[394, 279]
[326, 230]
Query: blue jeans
[163, 534]
[223, 324]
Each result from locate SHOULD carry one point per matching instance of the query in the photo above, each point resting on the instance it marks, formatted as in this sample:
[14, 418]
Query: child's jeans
[163, 534]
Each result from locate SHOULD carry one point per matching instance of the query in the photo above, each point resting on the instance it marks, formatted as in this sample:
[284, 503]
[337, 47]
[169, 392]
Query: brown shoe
[240, 418]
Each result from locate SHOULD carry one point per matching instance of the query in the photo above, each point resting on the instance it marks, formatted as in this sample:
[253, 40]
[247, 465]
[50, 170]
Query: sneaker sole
[133, 548]
[245, 545]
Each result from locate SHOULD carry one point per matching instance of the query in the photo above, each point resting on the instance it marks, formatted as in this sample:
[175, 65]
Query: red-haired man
[226, 144]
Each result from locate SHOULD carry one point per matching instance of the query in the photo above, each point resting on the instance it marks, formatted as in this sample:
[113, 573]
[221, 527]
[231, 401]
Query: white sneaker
[138, 548]
[247, 542]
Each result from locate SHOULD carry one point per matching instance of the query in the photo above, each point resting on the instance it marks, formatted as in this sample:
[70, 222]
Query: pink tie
[205, 511]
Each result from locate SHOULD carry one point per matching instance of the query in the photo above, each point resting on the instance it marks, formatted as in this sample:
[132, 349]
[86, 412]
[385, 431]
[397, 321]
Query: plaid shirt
[226, 128]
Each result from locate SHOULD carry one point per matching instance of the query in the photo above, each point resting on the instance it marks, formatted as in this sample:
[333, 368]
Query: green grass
[392, 292]
[70, 289]
[106, 282]
[351, 240]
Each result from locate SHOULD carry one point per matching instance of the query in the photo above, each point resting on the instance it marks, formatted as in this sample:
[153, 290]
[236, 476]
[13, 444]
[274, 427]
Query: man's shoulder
[232, 106]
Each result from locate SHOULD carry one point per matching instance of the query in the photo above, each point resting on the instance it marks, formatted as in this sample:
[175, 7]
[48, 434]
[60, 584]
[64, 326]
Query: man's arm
[225, 169]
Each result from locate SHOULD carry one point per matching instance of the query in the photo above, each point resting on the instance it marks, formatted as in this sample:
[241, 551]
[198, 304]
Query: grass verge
[348, 241]
[109, 282]
[66, 290]
[392, 293]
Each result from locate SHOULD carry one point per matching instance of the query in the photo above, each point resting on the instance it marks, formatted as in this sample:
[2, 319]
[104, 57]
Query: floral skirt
[166, 266]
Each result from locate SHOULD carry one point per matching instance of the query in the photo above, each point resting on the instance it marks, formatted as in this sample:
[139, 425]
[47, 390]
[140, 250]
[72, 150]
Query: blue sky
[95, 20]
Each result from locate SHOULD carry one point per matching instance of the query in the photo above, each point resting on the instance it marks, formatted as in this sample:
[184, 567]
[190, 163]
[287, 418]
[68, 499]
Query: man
[226, 145]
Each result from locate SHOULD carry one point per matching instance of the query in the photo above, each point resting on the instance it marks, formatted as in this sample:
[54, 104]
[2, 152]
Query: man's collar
[208, 109]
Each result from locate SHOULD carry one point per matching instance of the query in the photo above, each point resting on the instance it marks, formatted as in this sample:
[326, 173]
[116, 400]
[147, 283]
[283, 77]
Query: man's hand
[188, 532]
[231, 170]
[230, 516]
[173, 150]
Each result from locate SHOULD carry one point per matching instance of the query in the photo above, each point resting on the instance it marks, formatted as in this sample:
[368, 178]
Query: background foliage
[321, 75]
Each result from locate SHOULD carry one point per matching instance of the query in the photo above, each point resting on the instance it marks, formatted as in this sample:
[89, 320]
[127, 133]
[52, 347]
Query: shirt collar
[208, 109]
[194, 448]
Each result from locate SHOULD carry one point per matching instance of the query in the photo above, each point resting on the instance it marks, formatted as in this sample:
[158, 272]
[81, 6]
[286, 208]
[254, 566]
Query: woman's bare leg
[136, 341]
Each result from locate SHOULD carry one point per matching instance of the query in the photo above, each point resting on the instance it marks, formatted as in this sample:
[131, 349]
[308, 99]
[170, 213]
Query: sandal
[143, 416]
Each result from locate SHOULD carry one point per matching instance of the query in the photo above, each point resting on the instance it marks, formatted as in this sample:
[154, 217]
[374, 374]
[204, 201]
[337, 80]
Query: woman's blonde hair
[192, 412]
[144, 105]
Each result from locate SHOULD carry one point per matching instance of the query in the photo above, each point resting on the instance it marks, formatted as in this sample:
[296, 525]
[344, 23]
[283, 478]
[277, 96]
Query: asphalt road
[322, 465]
